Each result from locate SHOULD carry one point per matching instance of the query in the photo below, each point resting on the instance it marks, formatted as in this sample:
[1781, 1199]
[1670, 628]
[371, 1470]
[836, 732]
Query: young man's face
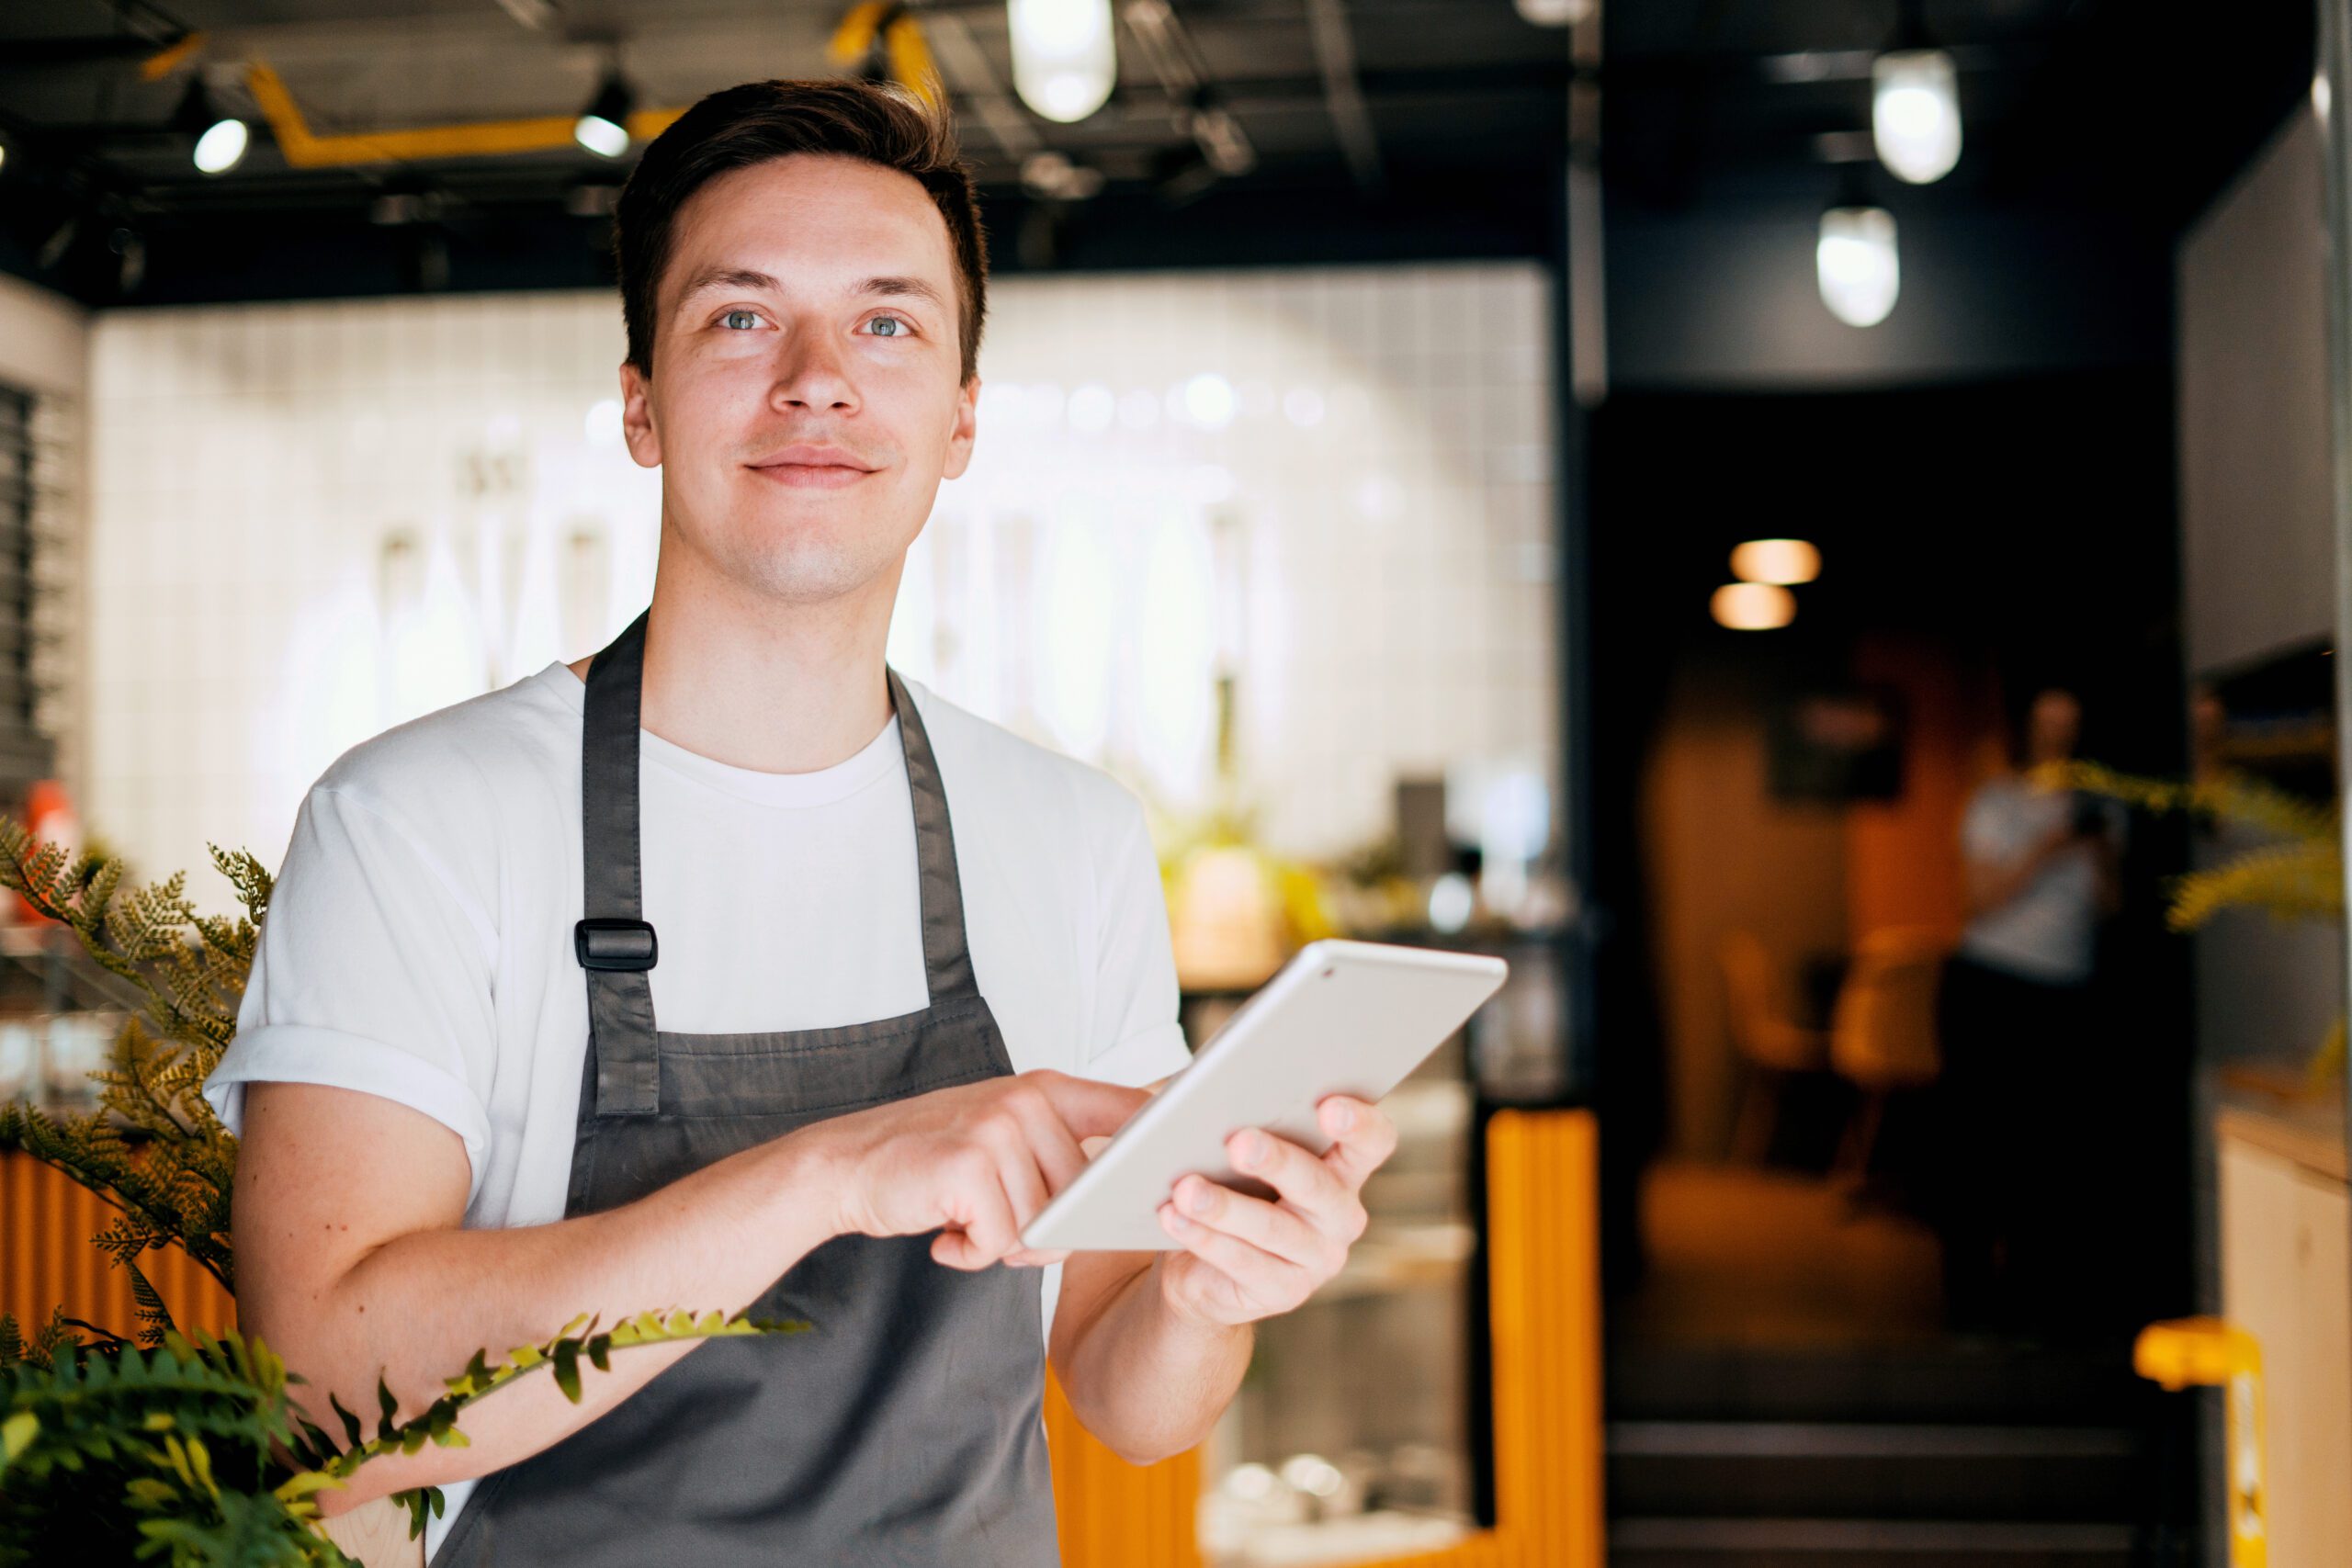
[808, 392]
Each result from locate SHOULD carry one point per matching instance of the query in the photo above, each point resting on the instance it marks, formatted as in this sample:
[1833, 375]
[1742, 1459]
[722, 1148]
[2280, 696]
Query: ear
[636, 417]
[959, 440]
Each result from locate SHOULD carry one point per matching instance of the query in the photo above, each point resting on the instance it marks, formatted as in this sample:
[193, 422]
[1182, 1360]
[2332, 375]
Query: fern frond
[2231, 797]
[154, 1318]
[2293, 881]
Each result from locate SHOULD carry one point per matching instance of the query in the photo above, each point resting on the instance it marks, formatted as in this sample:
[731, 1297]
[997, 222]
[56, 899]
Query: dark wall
[1723, 297]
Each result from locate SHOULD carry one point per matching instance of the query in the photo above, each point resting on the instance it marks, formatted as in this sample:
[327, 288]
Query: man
[2025, 1080]
[670, 977]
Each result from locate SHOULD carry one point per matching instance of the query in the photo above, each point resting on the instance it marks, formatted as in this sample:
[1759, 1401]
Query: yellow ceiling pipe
[903, 46]
[305, 149]
[163, 62]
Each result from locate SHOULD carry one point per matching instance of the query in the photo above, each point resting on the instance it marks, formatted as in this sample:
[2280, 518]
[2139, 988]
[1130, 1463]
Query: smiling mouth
[811, 476]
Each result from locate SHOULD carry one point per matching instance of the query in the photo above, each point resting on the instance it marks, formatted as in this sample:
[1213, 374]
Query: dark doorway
[1785, 1264]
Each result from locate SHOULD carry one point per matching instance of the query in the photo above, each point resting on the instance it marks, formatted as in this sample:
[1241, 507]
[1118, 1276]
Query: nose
[811, 374]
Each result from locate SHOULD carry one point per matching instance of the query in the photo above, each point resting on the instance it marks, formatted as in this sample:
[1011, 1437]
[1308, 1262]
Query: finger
[1089, 1147]
[1023, 1182]
[1363, 1137]
[1269, 1227]
[1304, 1182]
[1029, 1257]
[1055, 1150]
[983, 1231]
[1268, 1283]
[1085, 1106]
[954, 1250]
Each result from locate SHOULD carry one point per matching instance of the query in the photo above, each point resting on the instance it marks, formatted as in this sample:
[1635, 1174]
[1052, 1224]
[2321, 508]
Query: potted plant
[186, 1447]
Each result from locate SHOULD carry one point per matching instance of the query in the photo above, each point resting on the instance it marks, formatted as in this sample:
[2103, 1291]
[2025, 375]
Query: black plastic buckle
[604, 943]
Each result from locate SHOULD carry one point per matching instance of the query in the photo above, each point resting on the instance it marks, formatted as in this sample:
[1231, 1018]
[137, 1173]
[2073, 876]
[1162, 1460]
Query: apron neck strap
[946, 956]
[615, 945]
[620, 993]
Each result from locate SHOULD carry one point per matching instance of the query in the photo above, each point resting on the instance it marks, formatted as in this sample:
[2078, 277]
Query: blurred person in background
[2017, 1021]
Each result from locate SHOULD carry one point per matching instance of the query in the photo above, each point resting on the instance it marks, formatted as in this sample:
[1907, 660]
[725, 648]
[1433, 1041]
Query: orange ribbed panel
[1543, 1254]
[1112, 1514]
[1543, 1251]
[47, 1261]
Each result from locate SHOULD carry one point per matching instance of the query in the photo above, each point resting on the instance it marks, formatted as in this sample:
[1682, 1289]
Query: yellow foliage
[2298, 879]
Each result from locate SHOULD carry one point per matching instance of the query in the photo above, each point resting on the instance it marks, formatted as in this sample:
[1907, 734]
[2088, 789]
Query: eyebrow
[751, 278]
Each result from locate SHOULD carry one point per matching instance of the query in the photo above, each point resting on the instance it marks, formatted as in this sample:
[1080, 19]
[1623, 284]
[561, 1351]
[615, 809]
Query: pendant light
[603, 125]
[1064, 60]
[1752, 606]
[220, 139]
[1855, 263]
[1783, 563]
[1915, 114]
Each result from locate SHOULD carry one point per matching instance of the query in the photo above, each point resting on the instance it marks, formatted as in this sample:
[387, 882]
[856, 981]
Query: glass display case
[1362, 1431]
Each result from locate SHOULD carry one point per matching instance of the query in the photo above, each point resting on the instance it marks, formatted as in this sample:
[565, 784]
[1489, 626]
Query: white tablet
[1341, 1018]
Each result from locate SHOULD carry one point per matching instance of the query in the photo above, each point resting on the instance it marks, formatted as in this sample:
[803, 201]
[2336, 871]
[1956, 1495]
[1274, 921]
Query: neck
[758, 682]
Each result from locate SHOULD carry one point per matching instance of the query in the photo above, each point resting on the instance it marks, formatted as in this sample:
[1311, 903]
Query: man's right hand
[976, 1163]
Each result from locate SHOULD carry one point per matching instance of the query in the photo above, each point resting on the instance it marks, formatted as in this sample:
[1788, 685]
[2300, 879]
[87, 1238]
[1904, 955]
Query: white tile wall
[309, 521]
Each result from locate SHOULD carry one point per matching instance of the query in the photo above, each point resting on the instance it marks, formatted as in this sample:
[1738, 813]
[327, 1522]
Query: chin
[804, 568]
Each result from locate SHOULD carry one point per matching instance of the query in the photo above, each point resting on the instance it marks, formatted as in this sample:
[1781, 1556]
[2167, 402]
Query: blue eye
[887, 326]
[747, 319]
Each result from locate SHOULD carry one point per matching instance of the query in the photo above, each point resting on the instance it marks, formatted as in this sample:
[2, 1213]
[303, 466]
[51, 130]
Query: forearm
[1147, 1380]
[415, 1310]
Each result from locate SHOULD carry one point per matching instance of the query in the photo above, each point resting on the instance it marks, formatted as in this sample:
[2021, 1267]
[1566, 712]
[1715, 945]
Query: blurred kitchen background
[1607, 486]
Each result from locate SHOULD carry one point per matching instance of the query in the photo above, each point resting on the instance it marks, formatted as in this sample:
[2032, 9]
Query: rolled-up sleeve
[374, 973]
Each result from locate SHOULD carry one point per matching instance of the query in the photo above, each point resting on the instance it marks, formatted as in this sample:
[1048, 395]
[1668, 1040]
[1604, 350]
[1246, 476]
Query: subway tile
[400, 391]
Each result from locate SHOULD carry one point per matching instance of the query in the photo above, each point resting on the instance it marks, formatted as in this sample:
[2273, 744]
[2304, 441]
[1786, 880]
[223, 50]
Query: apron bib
[904, 1429]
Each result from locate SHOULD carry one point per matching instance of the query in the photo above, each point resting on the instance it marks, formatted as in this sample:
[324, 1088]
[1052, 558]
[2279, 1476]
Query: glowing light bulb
[1856, 264]
[1776, 560]
[223, 146]
[1753, 607]
[1064, 59]
[1915, 114]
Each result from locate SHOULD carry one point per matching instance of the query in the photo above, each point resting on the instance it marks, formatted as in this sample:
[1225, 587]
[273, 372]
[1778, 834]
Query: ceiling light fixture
[1915, 114]
[603, 125]
[1753, 607]
[220, 139]
[1856, 264]
[1053, 176]
[60, 240]
[1784, 562]
[133, 250]
[1064, 60]
[1168, 52]
[1553, 13]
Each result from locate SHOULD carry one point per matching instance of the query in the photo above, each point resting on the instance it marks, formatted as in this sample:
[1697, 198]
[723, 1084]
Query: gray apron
[905, 1429]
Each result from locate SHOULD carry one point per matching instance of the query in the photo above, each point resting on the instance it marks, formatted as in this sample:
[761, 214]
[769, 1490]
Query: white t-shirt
[419, 942]
[2049, 931]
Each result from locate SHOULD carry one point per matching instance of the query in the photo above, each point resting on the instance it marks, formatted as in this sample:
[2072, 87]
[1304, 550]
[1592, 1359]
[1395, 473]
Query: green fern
[185, 1447]
[154, 1318]
[194, 1450]
[152, 1147]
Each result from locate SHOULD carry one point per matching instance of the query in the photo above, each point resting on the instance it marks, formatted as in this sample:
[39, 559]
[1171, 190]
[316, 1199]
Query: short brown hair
[738, 127]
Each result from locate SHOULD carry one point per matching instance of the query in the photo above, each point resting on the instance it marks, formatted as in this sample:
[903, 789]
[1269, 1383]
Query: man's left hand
[1246, 1257]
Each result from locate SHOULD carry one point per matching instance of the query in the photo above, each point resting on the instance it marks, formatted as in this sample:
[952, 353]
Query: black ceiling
[2136, 106]
[2141, 106]
[1463, 101]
